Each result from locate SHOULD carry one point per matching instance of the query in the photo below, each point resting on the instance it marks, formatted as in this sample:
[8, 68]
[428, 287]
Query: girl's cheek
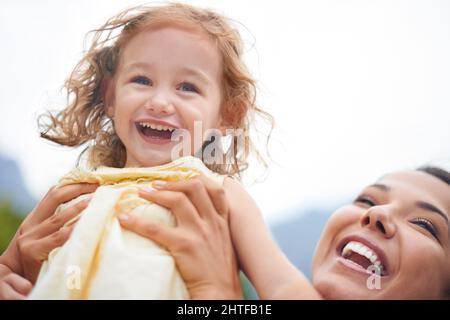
[131, 100]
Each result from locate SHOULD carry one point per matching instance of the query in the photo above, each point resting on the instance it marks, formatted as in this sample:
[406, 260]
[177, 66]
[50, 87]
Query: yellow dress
[103, 261]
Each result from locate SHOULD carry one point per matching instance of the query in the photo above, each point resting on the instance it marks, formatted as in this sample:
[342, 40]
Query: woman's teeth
[156, 126]
[362, 250]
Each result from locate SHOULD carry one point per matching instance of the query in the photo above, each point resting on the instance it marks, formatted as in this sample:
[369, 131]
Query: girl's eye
[365, 200]
[142, 80]
[189, 87]
[427, 225]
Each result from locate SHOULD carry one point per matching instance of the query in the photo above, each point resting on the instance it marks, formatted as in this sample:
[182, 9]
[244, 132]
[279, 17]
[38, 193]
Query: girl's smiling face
[167, 78]
[400, 223]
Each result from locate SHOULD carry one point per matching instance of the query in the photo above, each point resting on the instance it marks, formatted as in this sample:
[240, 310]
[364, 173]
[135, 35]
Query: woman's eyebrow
[380, 186]
[429, 207]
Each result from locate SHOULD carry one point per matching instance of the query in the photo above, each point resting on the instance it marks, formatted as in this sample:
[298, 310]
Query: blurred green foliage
[248, 291]
[9, 223]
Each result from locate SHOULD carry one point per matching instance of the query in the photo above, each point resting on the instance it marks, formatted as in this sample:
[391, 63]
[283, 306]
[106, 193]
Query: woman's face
[392, 242]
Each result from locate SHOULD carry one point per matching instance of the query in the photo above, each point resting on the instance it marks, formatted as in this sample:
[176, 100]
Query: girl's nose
[160, 104]
[378, 219]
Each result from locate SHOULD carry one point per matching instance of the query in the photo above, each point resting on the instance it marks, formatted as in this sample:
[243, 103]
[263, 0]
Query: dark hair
[442, 175]
[439, 173]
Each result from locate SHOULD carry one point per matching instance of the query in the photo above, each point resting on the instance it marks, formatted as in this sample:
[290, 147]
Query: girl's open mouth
[155, 133]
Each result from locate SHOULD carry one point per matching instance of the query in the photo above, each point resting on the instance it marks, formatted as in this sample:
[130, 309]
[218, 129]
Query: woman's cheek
[341, 219]
[342, 222]
[423, 265]
[420, 253]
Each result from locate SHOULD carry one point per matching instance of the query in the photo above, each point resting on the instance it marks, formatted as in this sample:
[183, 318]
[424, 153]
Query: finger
[37, 251]
[45, 245]
[58, 220]
[161, 234]
[57, 196]
[9, 293]
[215, 191]
[56, 239]
[68, 214]
[18, 283]
[195, 191]
[182, 208]
[217, 194]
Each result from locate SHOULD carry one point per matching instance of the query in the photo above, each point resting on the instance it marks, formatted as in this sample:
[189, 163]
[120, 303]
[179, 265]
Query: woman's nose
[160, 104]
[378, 219]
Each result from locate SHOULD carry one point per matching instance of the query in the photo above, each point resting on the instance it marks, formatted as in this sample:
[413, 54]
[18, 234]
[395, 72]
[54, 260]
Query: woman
[392, 242]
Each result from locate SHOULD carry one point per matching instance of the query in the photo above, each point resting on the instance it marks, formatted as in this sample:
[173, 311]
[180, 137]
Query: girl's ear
[107, 91]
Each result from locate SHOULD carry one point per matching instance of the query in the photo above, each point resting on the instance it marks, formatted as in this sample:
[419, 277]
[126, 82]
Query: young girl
[168, 69]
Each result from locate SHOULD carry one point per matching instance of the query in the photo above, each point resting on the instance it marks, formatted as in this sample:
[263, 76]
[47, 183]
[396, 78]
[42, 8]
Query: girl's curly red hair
[85, 120]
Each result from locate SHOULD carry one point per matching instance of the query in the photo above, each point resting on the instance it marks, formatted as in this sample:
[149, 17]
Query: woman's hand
[13, 286]
[201, 242]
[43, 230]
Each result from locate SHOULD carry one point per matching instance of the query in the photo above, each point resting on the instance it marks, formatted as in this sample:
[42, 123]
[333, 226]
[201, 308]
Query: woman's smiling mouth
[361, 255]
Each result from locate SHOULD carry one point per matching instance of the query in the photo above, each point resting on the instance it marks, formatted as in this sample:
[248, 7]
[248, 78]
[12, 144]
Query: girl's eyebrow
[137, 65]
[429, 207]
[187, 70]
[196, 73]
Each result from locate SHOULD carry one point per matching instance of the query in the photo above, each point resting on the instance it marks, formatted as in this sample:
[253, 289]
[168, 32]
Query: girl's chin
[149, 159]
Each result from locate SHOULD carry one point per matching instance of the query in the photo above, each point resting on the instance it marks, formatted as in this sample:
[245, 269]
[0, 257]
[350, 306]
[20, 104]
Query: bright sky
[358, 88]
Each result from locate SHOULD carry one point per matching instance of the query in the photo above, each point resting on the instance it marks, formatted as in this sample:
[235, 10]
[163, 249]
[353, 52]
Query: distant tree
[9, 223]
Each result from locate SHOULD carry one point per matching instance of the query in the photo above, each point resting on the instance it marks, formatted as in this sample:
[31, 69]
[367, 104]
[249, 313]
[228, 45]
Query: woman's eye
[427, 225]
[189, 87]
[365, 200]
[142, 80]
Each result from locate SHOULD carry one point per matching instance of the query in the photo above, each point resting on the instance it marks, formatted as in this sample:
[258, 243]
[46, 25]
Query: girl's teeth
[156, 126]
